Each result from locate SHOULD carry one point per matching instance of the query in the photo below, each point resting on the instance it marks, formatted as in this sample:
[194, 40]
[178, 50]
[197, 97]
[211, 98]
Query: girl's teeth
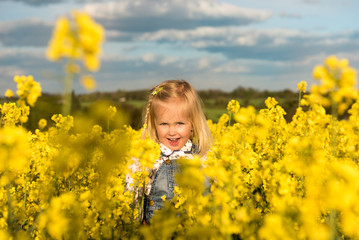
[173, 141]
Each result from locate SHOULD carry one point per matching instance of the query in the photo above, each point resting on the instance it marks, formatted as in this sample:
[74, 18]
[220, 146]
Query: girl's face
[173, 125]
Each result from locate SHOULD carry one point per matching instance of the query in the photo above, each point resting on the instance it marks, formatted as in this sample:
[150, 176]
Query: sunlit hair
[179, 89]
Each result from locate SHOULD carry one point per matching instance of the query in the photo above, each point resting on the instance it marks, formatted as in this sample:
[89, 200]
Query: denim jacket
[161, 180]
[163, 184]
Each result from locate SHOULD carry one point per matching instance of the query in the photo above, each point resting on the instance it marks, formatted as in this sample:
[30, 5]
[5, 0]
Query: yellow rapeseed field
[270, 179]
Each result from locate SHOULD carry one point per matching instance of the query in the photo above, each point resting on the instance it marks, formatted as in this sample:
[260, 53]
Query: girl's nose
[172, 130]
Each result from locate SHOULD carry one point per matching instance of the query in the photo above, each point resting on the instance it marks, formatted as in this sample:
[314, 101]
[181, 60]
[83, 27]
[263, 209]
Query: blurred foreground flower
[337, 84]
[9, 93]
[42, 123]
[76, 38]
[88, 82]
[264, 177]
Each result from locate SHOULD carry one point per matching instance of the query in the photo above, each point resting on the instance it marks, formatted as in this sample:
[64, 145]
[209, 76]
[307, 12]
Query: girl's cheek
[160, 129]
[180, 128]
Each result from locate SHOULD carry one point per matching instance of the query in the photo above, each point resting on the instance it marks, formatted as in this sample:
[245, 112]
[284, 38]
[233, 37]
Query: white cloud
[173, 9]
[290, 15]
[248, 43]
[231, 67]
[220, 36]
[11, 71]
[27, 32]
[311, 1]
[39, 2]
[6, 26]
[149, 57]
[152, 15]
[30, 53]
[203, 63]
[169, 60]
[115, 57]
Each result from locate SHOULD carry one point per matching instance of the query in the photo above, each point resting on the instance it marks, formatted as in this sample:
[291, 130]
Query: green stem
[333, 225]
[25, 194]
[68, 84]
[275, 137]
[334, 128]
[300, 97]
[9, 206]
[306, 125]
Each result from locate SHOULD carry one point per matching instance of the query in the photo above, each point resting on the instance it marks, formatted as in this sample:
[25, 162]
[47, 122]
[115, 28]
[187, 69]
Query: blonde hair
[172, 89]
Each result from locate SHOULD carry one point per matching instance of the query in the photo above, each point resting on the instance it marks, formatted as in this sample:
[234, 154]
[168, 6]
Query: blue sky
[213, 44]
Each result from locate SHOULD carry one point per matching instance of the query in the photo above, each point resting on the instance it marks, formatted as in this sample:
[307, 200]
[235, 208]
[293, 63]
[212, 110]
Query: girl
[174, 118]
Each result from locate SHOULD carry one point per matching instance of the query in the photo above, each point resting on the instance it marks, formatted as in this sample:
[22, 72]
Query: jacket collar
[186, 149]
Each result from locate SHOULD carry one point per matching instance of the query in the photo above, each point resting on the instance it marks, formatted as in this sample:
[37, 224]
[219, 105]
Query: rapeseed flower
[28, 90]
[263, 178]
[302, 86]
[88, 82]
[337, 84]
[78, 37]
[14, 151]
[233, 106]
[9, 93]
[42, 123]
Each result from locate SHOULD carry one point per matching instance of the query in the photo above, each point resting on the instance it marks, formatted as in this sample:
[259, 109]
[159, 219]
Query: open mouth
[173, 141]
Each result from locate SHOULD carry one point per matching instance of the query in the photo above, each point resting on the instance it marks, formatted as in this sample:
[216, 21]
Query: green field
[132, 102]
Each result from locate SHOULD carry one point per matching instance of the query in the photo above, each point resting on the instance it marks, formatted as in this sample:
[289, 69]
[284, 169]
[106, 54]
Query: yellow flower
[223, 119]
[111, 111]
[42, 123]
[91, 62]
[233, 106]
[34, 93]
[302, 86]
[23, 119]
[270, 102]
[14, 146]
[177, 190]
[271, 178]
[72, 68]
[63, 123]
[88, 82]
[319, 72]
[27, 89]
[332, 62]
[245, 115]
[77, 38]
[12, 114]
[9, 93]
[61, 43]
[337, 86]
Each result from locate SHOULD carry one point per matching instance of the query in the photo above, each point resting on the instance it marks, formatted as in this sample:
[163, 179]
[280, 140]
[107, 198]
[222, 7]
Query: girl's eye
[163, 124]
[180, 123]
